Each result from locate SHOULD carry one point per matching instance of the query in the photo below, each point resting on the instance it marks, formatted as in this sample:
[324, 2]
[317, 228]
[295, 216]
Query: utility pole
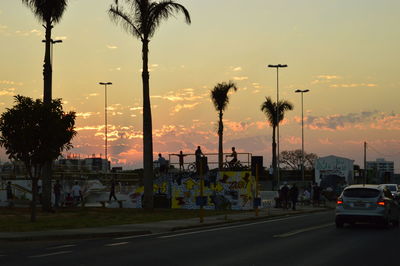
[365, 163]
[277, 116]
[302, 132]
[105, 120]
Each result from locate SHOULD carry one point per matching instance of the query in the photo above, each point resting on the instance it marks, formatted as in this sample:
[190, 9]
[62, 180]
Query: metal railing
[212, 159]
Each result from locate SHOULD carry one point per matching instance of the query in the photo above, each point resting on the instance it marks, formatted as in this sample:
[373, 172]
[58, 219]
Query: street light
[105, 119]
[277, 114]
[302, 132]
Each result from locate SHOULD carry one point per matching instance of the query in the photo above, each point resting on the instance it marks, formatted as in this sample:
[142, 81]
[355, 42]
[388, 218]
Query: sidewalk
[154, 227]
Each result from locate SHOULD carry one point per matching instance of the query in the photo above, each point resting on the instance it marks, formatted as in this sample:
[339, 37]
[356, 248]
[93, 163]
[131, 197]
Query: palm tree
[270, 109]
[220, 99]
[141, 20]
[48, 12]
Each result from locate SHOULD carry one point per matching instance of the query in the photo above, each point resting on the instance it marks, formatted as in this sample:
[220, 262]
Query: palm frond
[163, 10]
[118, 15]
[269, 109]
[219, 95]
[47, 10]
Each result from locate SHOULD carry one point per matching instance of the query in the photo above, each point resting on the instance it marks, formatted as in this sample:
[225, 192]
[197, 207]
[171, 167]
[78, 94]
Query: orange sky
[345, 52]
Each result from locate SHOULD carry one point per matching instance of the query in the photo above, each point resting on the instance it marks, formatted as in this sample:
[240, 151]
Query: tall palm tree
[48, 12]
[270, 109]
[220, 99]
[141, 19]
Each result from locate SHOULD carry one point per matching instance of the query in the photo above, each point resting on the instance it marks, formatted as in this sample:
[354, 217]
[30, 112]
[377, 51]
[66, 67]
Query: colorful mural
[222, 190]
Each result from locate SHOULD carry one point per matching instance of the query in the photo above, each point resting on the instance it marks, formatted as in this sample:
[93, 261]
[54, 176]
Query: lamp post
[105, 119]
[277, 115]
[302, 132]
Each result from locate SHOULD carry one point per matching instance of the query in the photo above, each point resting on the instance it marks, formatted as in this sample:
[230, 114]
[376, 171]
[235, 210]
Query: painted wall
[231, 189]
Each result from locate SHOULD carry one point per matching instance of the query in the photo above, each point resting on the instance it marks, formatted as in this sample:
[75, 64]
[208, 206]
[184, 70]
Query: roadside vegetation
[17, 219]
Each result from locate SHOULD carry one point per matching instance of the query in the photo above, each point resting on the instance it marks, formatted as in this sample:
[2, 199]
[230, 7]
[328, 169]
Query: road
[310, 239]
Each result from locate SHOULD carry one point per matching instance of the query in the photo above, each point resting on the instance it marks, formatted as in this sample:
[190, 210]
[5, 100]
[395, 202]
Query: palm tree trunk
[47, 67]
[220, 141]
[147, 131]
[274, 162]
[47, 97]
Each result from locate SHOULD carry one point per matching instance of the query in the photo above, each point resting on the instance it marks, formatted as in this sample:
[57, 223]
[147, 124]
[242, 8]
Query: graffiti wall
[222, 190]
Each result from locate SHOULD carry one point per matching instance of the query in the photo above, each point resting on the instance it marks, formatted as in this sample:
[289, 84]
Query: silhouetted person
[285, 195]
[181, 161]
[76, 193]
[294, 195]
[57, 193]
[198, 154]
[234, 157]
[112, 190]
[162, 163]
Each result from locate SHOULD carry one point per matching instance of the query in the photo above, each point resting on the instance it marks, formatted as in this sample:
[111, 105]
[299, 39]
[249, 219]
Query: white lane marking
[61, 247]
[116, 244]
[50, 254]
[230, 227]
[292, 233]
[135, 236]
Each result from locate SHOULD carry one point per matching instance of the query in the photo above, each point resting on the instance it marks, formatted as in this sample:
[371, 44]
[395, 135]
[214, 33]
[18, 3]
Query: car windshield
[392, 188]
[361, 193]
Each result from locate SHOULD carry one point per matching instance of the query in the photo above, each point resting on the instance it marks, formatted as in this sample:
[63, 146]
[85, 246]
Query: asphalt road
[310, 239]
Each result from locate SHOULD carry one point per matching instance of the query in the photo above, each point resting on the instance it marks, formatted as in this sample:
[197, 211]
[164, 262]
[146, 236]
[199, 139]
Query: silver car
[367, 203]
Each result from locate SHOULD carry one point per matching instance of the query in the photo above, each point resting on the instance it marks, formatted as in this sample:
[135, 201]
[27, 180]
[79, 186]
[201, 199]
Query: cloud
[325, 141]
[112, 47]
[238, 126]
[179, 107]
[240, 78]
[86, 115]
[7, 92]
[61, 38]
[94, 94]
[187, 94]
[293, 140]
[387, 122]
[325, 79]
[328, 77]
[236, 69]
[256, 85]
[33, 32]
[340, 122]
[353, 85]
[9, 82]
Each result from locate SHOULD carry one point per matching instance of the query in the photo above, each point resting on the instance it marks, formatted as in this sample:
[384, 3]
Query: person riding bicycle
[234, 157]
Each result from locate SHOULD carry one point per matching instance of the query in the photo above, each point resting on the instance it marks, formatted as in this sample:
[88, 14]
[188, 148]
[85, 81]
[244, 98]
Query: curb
[75, 236]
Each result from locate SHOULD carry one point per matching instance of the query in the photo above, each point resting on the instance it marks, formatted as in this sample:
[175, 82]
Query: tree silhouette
[292, 159]
[270, 109]
[36, 133]
[220, 99]
[141, 19]
[48, 12]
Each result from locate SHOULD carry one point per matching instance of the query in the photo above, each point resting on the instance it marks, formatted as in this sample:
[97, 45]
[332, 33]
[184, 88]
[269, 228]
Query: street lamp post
[277, 115]
[302, 132]
[105, 120]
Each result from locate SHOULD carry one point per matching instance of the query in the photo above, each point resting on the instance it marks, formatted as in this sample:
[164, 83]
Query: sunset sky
[346, 52]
